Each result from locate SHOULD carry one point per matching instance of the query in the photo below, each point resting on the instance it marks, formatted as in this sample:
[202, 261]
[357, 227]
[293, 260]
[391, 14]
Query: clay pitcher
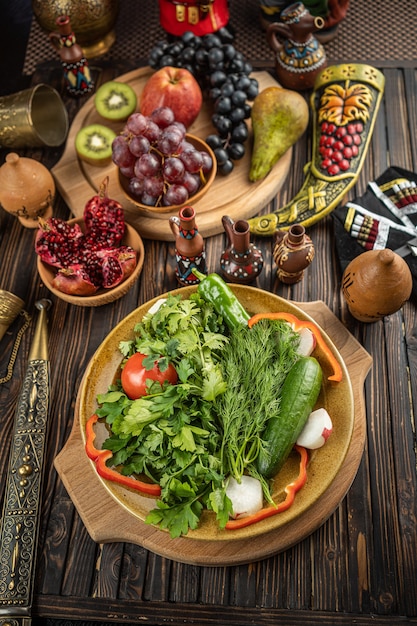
[299, 56]
[375, 284]
[189, 246]
[293, 253]
[241, 262]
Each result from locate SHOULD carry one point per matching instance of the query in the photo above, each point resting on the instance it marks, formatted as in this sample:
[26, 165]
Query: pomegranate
[109, 267]
[57, 242]
[104, 218]
[74, 281]
[91, 260]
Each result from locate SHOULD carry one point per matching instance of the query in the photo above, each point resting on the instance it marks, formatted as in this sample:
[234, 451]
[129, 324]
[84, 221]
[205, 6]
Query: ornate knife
[22, 503]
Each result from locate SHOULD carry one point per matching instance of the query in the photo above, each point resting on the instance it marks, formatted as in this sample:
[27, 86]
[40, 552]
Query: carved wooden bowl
[103, 296]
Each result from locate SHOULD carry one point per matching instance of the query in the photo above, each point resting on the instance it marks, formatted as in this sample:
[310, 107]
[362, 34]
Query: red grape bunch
[338, 145]
[162, 167]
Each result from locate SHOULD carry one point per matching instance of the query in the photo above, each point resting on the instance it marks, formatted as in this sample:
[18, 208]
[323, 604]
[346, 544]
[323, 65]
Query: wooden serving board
[107, 521]
[232, 195]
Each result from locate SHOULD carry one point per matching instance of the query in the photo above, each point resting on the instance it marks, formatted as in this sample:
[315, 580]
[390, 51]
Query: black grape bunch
[224, 75]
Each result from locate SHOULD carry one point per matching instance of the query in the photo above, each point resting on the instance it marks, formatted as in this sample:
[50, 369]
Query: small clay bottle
[27, 189]
[293, 253]
[375, 284]
[241, 261]
[189, 246]
[75, 65]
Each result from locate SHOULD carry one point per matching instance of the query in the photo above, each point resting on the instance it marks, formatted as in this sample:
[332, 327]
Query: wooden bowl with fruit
[90, 260]
[162, 167]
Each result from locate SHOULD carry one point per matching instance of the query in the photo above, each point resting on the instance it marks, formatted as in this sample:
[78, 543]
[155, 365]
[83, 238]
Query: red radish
[307, 342]
[316, 431]
[246, 496]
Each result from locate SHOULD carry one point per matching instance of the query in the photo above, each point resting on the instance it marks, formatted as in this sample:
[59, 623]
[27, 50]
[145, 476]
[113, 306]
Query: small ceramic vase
[293, 253]
[375, 284]
[75, 65]
[189, 246]
[299, 56]
[27, 189]
[241, 262]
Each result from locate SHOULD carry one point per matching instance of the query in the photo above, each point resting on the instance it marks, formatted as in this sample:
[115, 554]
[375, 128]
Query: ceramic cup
[10, 307]
[33, 118]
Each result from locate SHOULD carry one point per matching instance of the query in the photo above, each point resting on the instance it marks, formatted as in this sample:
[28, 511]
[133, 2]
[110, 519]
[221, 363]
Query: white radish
[246, 496]
[316, 431]
[156, 306]
[307, 342]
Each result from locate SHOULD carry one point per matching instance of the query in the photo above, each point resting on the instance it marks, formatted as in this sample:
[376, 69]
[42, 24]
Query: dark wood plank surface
[360, 567]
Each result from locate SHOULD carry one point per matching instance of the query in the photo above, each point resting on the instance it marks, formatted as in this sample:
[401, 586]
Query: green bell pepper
[213, 289]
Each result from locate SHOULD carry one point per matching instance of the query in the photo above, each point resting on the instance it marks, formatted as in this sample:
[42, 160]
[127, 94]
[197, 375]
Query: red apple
[176, 88]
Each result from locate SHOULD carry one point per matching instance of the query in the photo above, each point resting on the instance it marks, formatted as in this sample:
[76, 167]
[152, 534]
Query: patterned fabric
[384, 217]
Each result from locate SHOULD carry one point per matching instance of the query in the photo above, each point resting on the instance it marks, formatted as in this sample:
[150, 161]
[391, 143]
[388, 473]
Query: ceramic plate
[323, 465]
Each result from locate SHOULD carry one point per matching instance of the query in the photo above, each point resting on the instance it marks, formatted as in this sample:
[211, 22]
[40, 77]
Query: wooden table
[360, 566]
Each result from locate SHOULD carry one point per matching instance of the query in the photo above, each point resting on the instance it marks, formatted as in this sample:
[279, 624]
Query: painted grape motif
[343, 113]
[338, 145]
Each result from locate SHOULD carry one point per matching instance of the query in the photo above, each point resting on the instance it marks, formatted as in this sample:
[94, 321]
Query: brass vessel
[93, 21]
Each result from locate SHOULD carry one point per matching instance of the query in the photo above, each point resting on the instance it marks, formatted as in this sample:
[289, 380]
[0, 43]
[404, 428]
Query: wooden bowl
[200, 145]
[103, 296]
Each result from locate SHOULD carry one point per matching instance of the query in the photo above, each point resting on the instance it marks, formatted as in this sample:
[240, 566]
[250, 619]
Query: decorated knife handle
[22, 504]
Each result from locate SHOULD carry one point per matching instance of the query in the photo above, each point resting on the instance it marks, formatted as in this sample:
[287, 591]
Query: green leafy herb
[190, 436]
[257, 361]
[170, 435]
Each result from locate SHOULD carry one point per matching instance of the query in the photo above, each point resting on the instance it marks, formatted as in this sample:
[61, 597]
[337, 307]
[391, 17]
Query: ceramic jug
[332, 11]
[241, 261]
[27, 189]
[189, 246]
[76, 70]
[375, 284]
[93, 21]
[299, 56]
[293, 253]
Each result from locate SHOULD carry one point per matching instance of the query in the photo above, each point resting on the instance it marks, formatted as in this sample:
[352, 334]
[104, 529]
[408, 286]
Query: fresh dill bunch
[255, 364]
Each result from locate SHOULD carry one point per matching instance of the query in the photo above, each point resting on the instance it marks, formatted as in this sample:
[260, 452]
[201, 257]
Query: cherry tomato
[134, 376]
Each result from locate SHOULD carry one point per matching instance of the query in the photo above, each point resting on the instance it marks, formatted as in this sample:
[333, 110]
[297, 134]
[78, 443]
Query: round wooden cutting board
[232, 195]
[107, 521]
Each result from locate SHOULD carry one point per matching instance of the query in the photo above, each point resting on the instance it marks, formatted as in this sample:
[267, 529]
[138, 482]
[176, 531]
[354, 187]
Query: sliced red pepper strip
[101, 456]
[269, 511]
[297, 324]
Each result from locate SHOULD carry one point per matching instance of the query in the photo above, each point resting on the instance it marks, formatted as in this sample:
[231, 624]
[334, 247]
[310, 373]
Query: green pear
[279, 118]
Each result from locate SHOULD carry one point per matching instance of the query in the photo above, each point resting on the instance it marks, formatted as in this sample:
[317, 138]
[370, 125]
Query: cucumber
[300, 391]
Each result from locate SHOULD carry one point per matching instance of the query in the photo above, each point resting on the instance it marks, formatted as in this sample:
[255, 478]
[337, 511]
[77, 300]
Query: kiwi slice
[115, 101]
[93, 144]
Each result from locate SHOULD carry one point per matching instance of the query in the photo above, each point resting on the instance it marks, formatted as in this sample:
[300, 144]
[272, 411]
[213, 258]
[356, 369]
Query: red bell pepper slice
[297, 324]
[269, 511]
[101, 456]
